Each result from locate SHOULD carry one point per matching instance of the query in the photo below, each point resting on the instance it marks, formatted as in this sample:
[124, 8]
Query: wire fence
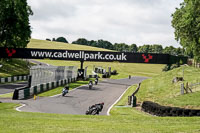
[46, 74]
[192, 87]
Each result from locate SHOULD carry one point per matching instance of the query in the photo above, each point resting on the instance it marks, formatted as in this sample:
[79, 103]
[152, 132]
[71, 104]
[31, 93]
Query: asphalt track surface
[8, 88]
[77, 101]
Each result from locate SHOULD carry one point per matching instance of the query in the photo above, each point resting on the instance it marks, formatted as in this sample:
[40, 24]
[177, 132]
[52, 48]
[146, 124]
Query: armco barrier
[13, 79]
[132, 100]
[28, 92]
[158, 110]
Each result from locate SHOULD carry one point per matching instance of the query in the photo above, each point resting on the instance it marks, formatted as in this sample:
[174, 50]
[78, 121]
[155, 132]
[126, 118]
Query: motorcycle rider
[96, 80]
[65, 89]
[90, 84]
[98, 107]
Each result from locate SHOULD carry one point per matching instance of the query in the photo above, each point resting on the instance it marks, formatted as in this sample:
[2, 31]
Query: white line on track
[69, 90]
[108, 112]
[18, 108]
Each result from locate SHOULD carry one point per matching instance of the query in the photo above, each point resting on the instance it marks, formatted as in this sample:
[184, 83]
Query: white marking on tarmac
[56, 95]
[108, 112]
[18, 108]
[69, 91]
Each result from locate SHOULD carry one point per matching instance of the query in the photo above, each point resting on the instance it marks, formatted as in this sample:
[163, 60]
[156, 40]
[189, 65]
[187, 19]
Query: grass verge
[58, 90]
[13, 67]
[8, 95]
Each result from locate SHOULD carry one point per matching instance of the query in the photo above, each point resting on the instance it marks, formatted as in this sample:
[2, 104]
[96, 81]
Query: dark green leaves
[15, 30]
[186, 22]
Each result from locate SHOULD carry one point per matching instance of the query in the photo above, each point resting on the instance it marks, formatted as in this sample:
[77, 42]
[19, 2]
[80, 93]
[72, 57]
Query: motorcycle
[94, 109]
[65, 91]
[96, 81]
[90, 85]
[91, 111]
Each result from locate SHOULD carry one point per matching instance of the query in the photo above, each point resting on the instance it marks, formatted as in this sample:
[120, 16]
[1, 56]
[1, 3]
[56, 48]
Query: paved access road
[78, 100]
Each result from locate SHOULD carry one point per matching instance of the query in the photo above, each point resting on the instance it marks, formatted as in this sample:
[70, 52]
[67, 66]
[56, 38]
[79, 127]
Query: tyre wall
[158, 110]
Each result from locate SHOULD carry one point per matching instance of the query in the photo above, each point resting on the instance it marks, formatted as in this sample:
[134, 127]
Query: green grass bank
[13, 67]
[160, 88]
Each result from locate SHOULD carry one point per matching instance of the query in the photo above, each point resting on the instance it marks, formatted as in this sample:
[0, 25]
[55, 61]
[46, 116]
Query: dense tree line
[123, 47]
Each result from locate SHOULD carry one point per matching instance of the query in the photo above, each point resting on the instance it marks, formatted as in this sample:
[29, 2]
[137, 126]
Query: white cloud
[127, 21]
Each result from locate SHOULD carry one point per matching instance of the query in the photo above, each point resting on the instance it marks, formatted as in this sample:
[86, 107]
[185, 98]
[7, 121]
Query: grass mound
[160, 89]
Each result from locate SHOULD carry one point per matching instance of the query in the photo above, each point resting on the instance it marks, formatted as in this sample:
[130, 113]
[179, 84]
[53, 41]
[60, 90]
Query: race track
[77, 101]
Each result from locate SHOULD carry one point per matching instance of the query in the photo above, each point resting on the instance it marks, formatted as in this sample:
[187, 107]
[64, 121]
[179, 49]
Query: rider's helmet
[102, 103]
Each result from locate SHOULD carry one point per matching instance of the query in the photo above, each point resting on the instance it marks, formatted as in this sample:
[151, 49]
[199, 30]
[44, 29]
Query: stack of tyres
[158, 110]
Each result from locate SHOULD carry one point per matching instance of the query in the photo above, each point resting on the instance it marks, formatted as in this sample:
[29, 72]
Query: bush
[170, 67]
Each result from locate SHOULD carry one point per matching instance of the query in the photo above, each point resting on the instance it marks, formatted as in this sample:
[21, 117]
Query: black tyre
[87, 112]
[63, 94]
[90, 87]
[94, 112]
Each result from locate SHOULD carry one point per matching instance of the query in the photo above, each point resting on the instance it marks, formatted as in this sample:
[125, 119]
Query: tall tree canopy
[186, 22]
[133, 48]
[81, 41]
[15, 30]
[61, 39]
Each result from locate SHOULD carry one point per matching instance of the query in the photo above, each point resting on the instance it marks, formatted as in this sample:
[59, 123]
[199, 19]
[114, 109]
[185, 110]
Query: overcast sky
[118, 21]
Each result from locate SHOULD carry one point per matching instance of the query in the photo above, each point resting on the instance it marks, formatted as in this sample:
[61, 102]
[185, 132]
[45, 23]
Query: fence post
[129, 100]
[182, 88]
[134, 101]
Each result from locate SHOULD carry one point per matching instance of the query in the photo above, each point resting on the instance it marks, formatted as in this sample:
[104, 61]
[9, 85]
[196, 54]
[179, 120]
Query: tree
[156, 48]
[47, 39]
[144, 49]
[104, 44]
[15, 30]
[186, 22]
[179, 51]
[61, 39]
[92, 43]
[121, 47]
[81, 41]
[133, 48]
[170, 50]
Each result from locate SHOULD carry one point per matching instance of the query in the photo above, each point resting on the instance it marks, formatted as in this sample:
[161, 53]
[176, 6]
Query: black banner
[99, 56]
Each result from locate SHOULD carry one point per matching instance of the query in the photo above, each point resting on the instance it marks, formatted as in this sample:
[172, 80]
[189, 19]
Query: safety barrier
[28, 92]
[132, 100]
[13, 79]
[158, 110]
